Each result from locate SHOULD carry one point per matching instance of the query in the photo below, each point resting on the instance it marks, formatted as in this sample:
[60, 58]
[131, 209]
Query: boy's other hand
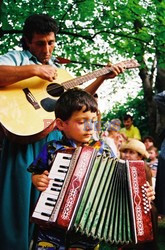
[150, 193]
[41, 181]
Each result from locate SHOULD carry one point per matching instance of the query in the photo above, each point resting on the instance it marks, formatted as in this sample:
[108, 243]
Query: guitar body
[27, 107]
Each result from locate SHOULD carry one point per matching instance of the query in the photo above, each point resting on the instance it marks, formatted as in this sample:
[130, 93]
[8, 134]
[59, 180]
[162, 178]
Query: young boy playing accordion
[76, 114]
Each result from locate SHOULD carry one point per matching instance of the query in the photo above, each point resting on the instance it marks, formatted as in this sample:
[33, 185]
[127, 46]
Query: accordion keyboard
[49, 197]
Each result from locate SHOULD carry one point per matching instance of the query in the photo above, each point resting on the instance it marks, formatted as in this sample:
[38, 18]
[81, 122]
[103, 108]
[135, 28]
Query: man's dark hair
[74, 100]
[40, 24]
[127, 116]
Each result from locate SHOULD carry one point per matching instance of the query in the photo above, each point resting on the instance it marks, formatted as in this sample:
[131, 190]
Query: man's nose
[46, 48]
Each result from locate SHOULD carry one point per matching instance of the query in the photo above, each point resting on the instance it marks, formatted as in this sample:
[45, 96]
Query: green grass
[161, 234]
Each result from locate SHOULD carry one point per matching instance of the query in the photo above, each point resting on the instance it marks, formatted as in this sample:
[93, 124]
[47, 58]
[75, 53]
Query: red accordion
[97, 196]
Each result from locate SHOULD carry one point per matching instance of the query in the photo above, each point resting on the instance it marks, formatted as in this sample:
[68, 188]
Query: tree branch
[87, 37]
[119, 34]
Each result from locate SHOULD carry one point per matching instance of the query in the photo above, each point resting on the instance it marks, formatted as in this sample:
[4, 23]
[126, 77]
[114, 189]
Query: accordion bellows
[104, 199]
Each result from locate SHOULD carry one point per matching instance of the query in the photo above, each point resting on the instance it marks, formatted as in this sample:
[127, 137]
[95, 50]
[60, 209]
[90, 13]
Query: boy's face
[152, 154]
[131, 155]
[80, 127]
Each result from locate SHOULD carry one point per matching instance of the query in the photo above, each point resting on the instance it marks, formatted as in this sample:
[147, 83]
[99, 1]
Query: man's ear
[59, 124]
[27, 42]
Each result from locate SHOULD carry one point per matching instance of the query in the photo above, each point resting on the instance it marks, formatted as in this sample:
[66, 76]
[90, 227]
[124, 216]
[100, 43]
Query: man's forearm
[12, 74]
[92, 88]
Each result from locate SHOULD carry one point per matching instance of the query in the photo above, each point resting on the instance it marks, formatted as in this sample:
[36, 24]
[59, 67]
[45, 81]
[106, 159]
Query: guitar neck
[81, 79]
[129, 64]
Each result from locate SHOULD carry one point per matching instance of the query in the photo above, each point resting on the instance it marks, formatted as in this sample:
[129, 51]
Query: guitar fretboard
[129, 64]
[81, 79]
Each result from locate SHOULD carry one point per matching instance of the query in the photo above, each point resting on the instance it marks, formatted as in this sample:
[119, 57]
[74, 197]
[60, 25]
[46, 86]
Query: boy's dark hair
[74, 100]
[150, 138]
[40, 24]
[126, 117]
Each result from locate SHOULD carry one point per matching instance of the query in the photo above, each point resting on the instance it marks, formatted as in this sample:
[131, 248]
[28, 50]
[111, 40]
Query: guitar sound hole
[55, 89]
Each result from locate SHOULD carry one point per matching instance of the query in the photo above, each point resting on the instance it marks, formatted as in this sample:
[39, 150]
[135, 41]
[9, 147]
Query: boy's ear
[59, 124]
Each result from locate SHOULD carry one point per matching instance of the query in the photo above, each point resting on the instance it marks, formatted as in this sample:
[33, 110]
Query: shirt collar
[53, 61]
[65, 143]
[31, 57]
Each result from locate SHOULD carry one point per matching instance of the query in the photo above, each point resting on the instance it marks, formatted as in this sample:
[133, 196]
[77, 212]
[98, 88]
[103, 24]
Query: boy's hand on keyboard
[41, 181]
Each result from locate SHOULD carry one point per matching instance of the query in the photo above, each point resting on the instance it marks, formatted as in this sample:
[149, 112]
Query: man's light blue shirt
[24, 57]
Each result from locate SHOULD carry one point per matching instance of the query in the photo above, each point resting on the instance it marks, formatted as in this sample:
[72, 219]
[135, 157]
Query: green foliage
[133, 106]
[92, 31]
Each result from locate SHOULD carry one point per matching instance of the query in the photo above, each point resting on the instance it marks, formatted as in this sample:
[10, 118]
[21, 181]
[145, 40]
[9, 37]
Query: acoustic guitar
[27, 107]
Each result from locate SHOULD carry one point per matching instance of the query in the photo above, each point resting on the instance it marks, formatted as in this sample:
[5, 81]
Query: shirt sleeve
[12, 58]
[137, 134]
[41, 163]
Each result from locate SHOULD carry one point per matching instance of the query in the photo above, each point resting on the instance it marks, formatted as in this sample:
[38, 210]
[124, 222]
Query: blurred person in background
[148, 141]
[114, 138]
[129, 130]
[153, 163]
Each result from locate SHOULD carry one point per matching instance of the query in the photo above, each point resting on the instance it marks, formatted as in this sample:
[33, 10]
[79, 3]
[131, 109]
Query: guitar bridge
[31, 98]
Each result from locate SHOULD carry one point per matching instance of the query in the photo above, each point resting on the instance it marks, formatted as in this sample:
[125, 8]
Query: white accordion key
[49, 197]
[60, 166]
